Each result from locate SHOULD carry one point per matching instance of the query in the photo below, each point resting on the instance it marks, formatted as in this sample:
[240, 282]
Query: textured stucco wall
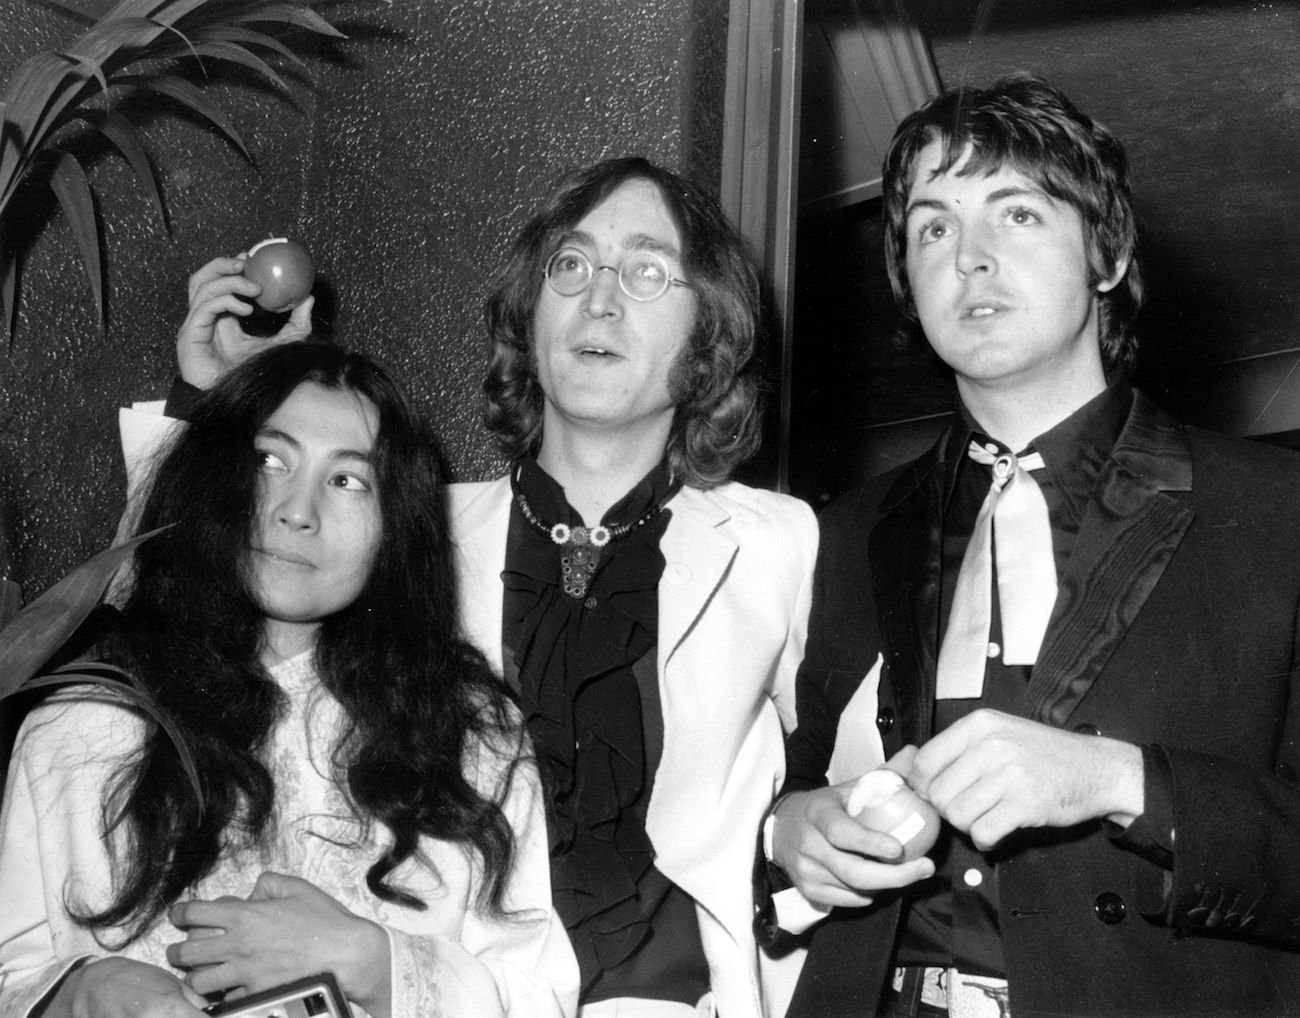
[426, 136]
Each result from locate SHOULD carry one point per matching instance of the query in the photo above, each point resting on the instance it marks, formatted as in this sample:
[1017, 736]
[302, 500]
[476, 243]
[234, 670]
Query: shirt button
[590, 603]
[1110, 908]
[994, 650]
[972, 877]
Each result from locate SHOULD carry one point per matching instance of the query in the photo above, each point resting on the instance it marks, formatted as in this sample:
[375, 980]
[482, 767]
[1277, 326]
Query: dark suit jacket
[1175, 627]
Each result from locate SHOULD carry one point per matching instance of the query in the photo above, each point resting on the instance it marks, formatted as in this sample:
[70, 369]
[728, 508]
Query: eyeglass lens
[643, 275]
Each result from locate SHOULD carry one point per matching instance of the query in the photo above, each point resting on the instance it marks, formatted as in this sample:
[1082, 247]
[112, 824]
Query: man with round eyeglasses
[648, 613]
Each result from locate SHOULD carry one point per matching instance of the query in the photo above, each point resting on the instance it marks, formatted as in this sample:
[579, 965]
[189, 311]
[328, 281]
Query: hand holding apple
[224, 326]
[882, 800]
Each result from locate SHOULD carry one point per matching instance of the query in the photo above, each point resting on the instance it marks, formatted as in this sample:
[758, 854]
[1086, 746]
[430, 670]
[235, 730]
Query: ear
[1113, 280]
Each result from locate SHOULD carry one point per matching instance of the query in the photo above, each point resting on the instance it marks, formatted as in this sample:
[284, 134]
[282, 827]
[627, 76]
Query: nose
[975, 251]
[604, 293]
[295, 507]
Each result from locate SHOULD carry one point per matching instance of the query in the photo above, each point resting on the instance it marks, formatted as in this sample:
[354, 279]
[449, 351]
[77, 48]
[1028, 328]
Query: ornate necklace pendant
[578, 564]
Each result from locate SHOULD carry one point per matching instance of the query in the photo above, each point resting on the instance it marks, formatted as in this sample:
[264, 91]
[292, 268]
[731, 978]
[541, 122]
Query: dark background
[1205, 94]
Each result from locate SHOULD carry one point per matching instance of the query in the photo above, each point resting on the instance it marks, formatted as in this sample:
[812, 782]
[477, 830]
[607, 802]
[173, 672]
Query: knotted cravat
[1013, 519]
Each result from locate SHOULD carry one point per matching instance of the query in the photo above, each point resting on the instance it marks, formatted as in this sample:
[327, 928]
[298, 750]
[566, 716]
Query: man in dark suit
[1116, 753]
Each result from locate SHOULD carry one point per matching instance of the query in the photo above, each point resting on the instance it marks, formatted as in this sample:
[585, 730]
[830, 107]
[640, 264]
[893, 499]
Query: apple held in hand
[284, 271]
[883, 801]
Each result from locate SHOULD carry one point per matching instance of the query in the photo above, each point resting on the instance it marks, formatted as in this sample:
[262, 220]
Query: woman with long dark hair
[367, 808]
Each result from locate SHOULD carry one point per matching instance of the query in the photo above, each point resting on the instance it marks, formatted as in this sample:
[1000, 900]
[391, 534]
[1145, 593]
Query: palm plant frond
[35, 635]
[131, 44]
[32, 638]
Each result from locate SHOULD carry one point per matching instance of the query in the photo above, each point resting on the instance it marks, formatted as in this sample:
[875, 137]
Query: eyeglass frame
[669, 279]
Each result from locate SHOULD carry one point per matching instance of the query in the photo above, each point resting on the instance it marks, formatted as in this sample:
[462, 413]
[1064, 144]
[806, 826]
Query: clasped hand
[991, 773]
[286, 929]
[988, 774]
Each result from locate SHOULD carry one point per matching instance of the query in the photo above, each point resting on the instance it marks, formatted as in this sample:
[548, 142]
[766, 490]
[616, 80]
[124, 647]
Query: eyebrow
[992, 198]
[629, 242]
[335, 454]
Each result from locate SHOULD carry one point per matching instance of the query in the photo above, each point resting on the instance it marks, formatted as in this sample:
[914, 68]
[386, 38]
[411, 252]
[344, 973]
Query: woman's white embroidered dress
[448, 960]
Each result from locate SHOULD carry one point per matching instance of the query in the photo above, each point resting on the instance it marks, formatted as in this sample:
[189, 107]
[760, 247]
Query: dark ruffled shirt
[585, 673]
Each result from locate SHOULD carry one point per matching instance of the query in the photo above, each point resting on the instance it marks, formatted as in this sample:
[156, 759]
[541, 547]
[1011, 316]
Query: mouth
[287, 557]
[592, 350]
[983, 309]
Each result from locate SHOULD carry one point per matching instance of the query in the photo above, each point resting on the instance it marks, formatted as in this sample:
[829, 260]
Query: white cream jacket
[733, 610]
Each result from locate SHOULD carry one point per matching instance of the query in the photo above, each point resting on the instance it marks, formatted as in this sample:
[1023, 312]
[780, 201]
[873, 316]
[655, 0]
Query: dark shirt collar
[1073, 450]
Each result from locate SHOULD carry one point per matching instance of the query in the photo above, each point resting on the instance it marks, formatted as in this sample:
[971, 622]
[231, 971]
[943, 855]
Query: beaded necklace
[582, 545]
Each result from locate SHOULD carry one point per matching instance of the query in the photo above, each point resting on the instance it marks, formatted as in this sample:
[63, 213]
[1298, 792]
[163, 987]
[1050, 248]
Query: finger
[822, 887]
[994, 825]
[192, 997]
[279, 885]
[964, 806]
[215, 979]
[220, 913]
[200, 951]
[846, 834]
[834, 896]
[215, 269]
[935, 757]
[205, 316]
[870, 876]
[901, 762]
[223, 286]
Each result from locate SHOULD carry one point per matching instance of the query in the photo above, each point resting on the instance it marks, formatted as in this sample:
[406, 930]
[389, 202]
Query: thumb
[275, 885]
[901, 762]
[192, 998]
[299, 324]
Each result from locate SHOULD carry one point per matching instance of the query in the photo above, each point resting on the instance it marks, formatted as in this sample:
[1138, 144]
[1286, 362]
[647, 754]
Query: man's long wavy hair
[715, 381]
[419, 701]
[1025, 124]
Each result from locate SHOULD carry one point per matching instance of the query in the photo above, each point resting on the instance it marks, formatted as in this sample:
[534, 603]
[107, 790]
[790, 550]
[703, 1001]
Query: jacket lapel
[1129, 533]
[696, 557]
[905, 554]
[480, 519]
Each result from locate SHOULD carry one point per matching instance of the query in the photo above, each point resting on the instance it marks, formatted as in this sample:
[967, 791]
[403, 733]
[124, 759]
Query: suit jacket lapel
[1129, 533]
[696, 557]
[480, 519]
[905, 555]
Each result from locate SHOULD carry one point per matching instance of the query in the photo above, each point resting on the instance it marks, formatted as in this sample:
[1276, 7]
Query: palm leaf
[70, 186]
[117, 129]
[192, 97]
[130, 44]
[36, 634]
[235, 54]
[11, 600]
[248, 38]
[8, 283]
[124, 684]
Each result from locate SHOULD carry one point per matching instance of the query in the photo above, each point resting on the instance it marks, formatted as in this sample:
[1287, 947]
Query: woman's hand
[286, 929]
[211, 340]
[121, 988]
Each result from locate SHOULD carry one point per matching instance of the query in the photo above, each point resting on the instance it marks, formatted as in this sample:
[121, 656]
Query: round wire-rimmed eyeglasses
[642, 275]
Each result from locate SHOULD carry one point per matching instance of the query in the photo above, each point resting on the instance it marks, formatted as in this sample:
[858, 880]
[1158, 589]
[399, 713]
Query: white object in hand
[882, 800]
